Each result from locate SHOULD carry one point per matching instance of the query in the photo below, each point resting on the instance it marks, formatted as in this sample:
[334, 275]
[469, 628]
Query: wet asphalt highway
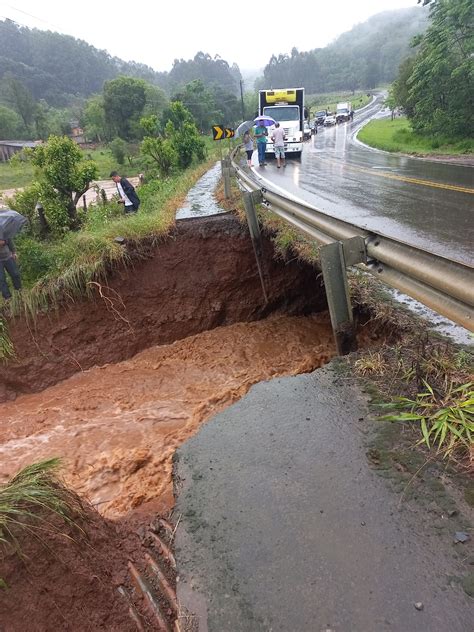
[424, 203]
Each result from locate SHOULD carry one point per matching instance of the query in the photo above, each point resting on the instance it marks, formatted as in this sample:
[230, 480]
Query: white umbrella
[244, 127]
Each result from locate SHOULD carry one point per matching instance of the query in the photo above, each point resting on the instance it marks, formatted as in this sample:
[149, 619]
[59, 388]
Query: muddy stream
[117, 426]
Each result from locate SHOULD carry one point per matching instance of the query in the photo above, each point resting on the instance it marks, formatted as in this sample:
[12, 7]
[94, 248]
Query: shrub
[118, 147]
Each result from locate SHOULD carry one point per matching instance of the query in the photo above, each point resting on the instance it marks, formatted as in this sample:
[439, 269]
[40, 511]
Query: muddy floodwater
[117, 426]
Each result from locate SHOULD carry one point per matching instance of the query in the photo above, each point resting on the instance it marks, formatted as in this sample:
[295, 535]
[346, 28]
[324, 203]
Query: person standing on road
[261, 134]
[278, 138]
[127, 193]
[8, 264]
[248, 146]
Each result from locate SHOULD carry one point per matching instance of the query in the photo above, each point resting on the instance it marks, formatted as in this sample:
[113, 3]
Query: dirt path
[117, 426]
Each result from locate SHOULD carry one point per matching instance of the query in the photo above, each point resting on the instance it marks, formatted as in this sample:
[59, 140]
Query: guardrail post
[254, 230]
[225, 166]
[333, 265]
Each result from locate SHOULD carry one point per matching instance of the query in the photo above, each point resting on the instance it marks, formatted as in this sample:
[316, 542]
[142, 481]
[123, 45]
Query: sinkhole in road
[193, 336]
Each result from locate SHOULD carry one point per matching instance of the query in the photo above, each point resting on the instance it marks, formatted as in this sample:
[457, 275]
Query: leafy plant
[446, 421]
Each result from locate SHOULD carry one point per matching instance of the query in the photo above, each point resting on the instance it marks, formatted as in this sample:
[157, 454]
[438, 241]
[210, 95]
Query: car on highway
[306, 131]
[320, 117]
[329, 120]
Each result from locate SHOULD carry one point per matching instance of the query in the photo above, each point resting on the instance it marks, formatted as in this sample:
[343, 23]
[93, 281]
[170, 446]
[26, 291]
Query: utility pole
[242, 99]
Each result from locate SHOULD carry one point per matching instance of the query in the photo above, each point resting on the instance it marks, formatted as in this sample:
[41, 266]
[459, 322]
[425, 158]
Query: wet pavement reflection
[425, 203]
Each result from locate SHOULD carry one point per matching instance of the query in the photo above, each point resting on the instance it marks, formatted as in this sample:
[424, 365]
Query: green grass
[397, 136]
[329, 101]
[446, 419]
[15, 174]
[30, 502]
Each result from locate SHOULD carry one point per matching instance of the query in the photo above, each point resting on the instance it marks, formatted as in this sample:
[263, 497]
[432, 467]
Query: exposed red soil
[70, 581]
[202, 276]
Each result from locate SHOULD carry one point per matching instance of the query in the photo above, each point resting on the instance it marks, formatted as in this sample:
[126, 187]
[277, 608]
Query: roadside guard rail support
[445, 286]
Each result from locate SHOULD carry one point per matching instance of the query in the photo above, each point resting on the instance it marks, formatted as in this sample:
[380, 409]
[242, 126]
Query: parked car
[329, 120]
[306, 131]
[320, 117]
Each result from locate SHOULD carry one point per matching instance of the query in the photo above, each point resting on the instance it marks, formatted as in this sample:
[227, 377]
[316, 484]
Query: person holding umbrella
[11, 223]
[261, 134]
[248, 146]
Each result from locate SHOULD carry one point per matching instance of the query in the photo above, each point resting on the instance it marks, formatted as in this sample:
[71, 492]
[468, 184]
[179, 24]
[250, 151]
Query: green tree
[118, 147]
[391, 102]
[124, 101]
[93, 119]
[199, 101]
[181, 129]
[11, 125]
[21, 100]
[63, 177]
[162, 152]
[155, 100]
[400, 88]
[441, 84]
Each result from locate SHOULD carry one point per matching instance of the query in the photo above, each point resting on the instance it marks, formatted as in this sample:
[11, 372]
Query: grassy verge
[29, 503]
[330, 100]
[397, 136]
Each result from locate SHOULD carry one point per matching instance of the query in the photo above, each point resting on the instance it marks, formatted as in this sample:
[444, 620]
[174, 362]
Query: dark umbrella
[11, 223]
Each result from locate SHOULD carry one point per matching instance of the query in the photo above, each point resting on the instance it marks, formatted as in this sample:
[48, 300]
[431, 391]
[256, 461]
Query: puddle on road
[117, 426]
[200, 200]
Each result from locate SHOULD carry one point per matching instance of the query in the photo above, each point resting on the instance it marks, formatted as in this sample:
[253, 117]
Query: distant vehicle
[329, 120]
[320, 116]
[343, 112]
[306, 131]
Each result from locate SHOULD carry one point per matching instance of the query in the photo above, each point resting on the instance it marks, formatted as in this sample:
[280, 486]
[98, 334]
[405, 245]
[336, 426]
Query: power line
[35, 17]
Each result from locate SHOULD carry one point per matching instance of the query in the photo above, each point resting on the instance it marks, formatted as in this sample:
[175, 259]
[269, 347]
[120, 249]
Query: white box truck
[343, 112]
[285, 105]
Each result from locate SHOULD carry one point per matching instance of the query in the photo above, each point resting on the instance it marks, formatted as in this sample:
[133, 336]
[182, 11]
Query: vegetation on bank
[434, 85]
[397, 135]
[30, 502]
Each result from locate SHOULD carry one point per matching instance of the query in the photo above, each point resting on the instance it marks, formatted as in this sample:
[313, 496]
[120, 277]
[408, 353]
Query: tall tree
[441, 85]
[21, 100]
[11, 125]
[124, 101]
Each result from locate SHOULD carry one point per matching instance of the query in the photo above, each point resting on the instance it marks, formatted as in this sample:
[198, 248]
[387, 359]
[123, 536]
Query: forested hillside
[59, 68]
[364, 57]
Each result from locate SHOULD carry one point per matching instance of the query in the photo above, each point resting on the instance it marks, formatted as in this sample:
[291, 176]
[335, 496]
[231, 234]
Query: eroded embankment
[202, 276]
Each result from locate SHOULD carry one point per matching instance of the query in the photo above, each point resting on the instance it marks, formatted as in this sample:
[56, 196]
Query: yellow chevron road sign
[219, 132]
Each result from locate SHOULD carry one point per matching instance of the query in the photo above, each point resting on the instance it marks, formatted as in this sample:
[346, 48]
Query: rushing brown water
[116, 427]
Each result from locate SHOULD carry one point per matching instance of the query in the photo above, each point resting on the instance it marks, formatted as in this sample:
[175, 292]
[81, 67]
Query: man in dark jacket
[127, 193]
[11, 223]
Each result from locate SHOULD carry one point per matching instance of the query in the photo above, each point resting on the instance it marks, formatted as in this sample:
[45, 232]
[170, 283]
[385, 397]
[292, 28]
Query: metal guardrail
[443, 285]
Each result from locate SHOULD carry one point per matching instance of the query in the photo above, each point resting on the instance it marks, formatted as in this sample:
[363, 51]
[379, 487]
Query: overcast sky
[159, 32]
